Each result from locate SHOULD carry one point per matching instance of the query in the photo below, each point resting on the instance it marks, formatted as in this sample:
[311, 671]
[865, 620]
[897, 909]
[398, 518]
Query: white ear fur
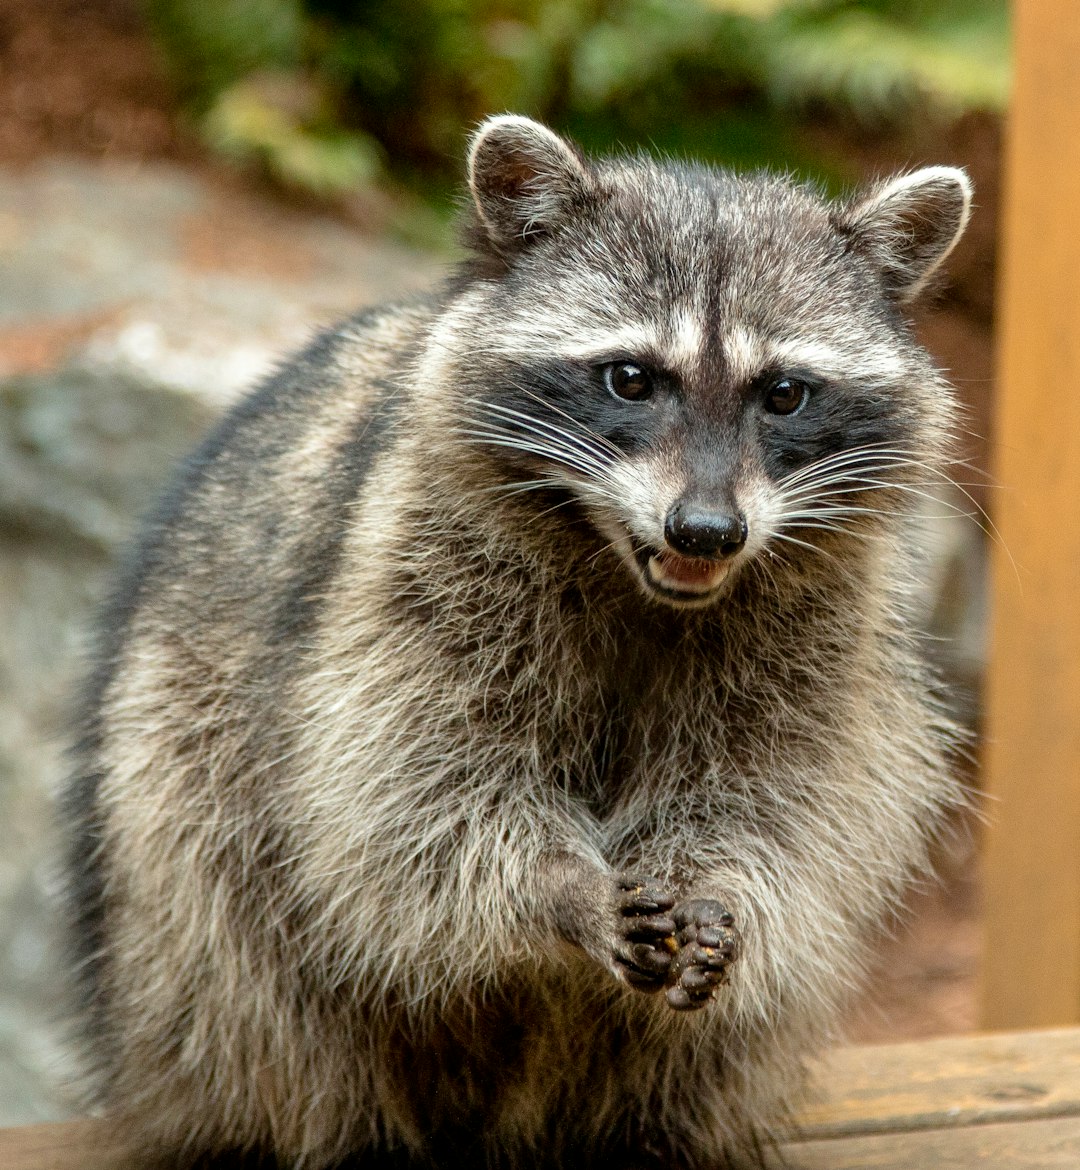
[523, 178]
[910, 224]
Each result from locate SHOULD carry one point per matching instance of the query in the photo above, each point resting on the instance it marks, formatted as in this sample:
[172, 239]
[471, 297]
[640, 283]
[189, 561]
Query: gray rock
[134, 303]
[81, 454]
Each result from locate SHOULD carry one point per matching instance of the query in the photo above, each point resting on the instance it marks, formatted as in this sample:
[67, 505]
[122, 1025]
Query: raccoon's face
[715, 367]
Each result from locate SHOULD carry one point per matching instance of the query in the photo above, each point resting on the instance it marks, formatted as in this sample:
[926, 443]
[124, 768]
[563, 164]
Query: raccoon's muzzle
[700, 544]
[704, 534]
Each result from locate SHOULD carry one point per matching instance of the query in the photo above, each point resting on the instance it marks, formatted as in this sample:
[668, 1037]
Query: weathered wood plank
[72, 1145]
[1051, 1144]
[955, 1081]
[927, 1105]
[1032, 869]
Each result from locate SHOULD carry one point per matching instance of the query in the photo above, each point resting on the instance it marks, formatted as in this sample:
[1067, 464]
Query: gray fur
[389, 708]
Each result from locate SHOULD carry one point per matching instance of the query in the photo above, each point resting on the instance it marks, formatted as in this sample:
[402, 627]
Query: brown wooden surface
[1032, 964]
[948, 1083]
[73, 1145]
[1053, 1144]
[1050, 1144]
[1003, 1102]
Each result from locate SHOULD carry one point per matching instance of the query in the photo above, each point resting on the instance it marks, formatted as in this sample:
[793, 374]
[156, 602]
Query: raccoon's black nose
[695, 531]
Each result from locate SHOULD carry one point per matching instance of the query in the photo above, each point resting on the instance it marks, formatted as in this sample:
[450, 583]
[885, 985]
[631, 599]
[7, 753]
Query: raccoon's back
[209, 619]
[249, 530]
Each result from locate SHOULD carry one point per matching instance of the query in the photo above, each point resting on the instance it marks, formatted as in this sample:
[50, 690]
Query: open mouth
[679, 578]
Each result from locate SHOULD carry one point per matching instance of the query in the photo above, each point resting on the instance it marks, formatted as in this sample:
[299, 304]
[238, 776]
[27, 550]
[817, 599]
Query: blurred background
[189, 187]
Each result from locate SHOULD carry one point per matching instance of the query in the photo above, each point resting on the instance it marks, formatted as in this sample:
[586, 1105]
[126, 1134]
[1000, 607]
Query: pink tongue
[687, 570]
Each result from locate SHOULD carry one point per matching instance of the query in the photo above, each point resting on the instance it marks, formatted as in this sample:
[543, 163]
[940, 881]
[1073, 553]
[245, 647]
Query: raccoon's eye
[626, 380]
[787, 396]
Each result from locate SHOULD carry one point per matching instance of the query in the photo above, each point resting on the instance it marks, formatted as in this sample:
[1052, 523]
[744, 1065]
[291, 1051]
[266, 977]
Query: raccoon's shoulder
[339, 375]
[251, 521]
[306, 421]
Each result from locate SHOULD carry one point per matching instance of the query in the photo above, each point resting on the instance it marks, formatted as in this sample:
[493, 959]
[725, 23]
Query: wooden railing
[1032, 866]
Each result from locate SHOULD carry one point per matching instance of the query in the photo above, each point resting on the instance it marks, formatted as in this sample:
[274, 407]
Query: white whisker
[582, 451]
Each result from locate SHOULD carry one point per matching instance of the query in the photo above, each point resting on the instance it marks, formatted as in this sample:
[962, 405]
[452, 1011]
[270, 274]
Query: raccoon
[509, 736]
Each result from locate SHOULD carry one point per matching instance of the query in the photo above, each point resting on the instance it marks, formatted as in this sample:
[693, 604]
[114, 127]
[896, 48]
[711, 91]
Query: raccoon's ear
[524, 179]
[909, 224]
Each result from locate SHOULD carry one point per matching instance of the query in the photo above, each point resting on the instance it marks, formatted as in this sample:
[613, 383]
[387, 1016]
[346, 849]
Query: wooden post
[1032, 860]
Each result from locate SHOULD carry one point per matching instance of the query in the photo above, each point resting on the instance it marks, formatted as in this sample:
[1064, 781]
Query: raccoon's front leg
[707, 946]
[623, 922]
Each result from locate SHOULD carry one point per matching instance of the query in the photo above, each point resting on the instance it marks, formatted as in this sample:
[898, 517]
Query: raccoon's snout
[696, 531]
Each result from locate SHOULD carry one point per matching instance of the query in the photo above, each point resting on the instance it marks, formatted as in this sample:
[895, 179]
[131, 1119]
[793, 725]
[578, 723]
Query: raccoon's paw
[707, 946]
[644, 934]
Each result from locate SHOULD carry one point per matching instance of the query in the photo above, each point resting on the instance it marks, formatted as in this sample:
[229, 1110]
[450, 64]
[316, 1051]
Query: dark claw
[644, 904]
[682, 1001]
[644, 967]
[650, 959]
[679, 1000]
[710, 959]
[650, 929]
[642, 981]
[694, 979]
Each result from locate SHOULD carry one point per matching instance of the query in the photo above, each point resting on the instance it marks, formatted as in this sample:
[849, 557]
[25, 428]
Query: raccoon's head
[714, 366]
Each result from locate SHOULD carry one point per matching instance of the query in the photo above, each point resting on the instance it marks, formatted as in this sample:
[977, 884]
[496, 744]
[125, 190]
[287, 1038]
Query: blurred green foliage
[327, 94]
